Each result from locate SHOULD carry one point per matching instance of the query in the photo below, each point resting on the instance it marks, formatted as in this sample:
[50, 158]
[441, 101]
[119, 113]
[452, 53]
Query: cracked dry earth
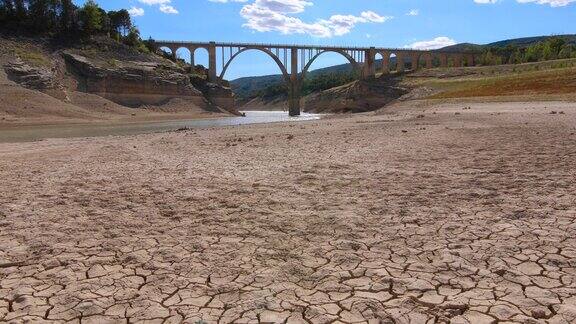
[416, 215]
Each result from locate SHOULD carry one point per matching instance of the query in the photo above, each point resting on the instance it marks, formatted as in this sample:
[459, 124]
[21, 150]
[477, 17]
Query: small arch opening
[166, 52]
[183, 55]
[201, 59]
[379, 64]
[436, 61]
[393, 62]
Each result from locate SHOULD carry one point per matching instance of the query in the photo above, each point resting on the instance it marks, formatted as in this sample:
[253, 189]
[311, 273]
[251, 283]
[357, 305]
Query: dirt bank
[434, 213]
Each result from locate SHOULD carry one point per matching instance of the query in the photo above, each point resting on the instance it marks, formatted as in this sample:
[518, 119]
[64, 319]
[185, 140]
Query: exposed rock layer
[143, 83]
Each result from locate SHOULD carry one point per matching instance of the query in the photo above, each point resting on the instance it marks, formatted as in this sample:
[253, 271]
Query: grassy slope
[546, 78]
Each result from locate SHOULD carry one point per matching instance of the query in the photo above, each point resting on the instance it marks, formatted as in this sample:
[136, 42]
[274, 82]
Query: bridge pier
[415, 57]
[192, 60]
[429, 63]
[369, 71]
[443, 60]
[471, 60]
[457, 60]
[294, 91]
[400, 66]
[385, 62]
[212, 74]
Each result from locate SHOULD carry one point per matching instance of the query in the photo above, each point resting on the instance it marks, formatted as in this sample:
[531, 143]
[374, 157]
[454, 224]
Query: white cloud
[435, 43]
[278, 15]
[167, 9]
[413, 12]
[552, 3]
[136, 12]
[163, 5]
[226, 1]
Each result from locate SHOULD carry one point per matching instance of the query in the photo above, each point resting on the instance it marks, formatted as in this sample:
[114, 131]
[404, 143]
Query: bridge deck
[286, 46]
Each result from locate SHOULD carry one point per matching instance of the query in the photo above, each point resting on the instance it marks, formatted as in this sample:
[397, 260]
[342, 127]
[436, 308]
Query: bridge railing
[311, 47]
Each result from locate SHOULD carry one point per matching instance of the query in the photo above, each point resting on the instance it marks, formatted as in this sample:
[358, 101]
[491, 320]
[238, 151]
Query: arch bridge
[294, 61]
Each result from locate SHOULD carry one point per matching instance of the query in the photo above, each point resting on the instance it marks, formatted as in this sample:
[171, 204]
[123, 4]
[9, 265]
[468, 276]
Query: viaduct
[294, 61]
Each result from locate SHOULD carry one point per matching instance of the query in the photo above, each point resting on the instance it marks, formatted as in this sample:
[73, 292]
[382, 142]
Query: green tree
[68, 21]
[556, 44]
[120, 21]
[133, 37]
[43, 14]
[547, 52]
[19, 10]
[91, 18]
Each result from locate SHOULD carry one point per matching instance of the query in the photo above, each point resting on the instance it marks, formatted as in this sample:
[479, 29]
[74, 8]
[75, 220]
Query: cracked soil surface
[416, 215]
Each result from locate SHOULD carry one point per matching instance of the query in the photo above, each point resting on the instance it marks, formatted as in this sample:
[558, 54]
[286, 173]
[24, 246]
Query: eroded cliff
[98, 78]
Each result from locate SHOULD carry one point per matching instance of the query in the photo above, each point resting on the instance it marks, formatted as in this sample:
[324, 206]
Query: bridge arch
[425, 60]
[200, 56]
[168, 50]
[356, 66]
[181, 53]
[266, 51]
[398, 64]
[379, 62]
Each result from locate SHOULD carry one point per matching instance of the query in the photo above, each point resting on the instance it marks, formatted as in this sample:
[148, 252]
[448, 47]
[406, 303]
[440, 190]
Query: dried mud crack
[465, 218]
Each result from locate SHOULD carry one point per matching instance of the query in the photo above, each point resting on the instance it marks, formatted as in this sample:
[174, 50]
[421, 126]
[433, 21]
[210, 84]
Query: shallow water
[34, 133]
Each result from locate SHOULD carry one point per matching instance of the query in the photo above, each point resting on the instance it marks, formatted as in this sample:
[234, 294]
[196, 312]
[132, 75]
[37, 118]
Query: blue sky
[381, 23]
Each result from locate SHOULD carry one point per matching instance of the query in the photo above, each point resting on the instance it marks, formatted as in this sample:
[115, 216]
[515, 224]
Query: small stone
[538, 314]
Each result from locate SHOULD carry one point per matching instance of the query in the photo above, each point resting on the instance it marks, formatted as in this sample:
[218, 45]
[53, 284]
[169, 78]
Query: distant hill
[244, 87]
[520, 42]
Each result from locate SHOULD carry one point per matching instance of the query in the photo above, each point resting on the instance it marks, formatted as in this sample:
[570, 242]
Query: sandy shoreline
[415, 214]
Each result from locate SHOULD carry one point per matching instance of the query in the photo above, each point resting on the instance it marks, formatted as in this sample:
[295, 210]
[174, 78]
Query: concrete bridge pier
[457, 60]
[415, 57]
[443, 60]
[369, 70]
[192, 60]
[294, 85]
[400, 66]
[429, 63]
[212, 74]
[385, 62]
[471, 60]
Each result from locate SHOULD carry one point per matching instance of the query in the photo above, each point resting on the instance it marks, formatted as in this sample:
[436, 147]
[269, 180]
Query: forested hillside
[65, 22]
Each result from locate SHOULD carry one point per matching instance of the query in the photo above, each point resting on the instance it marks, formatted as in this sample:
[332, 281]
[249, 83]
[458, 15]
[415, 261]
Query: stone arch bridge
[294, 61]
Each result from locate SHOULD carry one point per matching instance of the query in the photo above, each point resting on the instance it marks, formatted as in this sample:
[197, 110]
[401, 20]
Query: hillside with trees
[551, 48]
[66, 22]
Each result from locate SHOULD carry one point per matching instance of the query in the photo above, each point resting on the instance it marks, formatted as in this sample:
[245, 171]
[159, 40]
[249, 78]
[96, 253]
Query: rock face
[36, 78]
[359, 96]
[355, 97]
[134, 84]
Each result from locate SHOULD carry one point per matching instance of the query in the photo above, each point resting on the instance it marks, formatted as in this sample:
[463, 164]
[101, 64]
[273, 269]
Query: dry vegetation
[545, 78]
[27, 52]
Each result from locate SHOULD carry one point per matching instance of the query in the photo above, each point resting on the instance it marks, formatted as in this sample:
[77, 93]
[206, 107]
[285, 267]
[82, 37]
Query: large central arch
[272, 55]
[352, 61]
